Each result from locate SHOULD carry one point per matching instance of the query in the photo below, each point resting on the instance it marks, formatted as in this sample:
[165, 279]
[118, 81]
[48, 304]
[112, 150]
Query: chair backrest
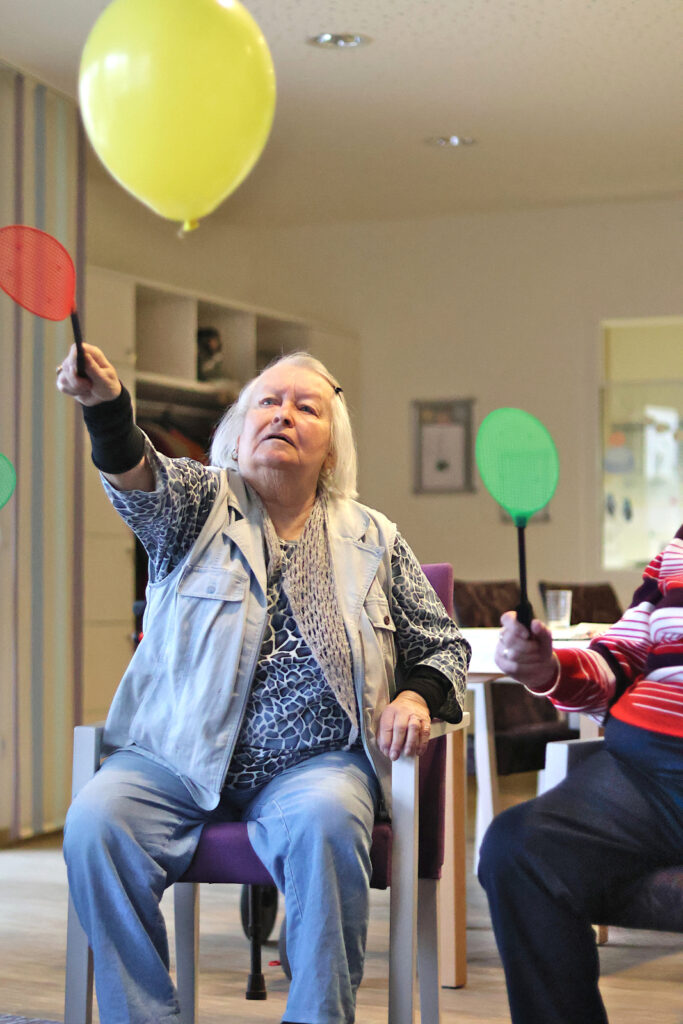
[591, 602]
[480, 603]
[653, 902]
[440, 575]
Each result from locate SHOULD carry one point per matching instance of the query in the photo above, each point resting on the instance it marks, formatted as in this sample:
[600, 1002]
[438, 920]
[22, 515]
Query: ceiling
[569, 101]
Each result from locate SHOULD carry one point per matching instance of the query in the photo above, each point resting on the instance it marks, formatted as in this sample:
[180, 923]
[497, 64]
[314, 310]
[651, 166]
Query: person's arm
[587, 680]
[527, 654]
[626, 645]
[433, 656]
[164, 501]
[431, 649]
[118, 445]
[572, 678]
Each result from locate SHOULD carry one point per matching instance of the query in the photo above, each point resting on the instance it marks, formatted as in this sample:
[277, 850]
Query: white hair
[338, 481]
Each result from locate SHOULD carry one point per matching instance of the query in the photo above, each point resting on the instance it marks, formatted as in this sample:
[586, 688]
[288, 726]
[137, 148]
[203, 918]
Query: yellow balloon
[177, 98]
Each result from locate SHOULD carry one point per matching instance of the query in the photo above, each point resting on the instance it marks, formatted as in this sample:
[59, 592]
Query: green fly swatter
[8, 479]
[517, 460]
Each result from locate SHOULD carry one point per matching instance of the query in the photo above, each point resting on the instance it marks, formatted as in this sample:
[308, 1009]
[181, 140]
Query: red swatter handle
[78, 338]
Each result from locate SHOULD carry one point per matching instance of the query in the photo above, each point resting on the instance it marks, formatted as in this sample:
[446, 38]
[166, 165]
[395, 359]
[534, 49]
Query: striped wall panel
[42, 184]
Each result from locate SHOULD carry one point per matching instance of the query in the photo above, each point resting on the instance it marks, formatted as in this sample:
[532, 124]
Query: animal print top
[291, 713]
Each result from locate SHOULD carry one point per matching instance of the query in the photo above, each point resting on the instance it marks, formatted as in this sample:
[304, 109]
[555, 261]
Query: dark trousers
[551, 866]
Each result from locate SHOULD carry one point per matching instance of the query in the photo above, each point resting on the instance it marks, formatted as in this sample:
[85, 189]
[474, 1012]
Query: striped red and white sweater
[636, 668]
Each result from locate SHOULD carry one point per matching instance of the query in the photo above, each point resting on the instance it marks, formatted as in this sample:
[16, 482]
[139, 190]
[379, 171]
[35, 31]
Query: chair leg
[79, 972]
[403, 901]
[428, 939]
[256, 983]
[186, 914]
[452, 887]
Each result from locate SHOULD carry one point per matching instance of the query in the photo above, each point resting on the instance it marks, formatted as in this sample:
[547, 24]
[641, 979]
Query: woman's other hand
[102, 383]
[404, 726]
[527, 655]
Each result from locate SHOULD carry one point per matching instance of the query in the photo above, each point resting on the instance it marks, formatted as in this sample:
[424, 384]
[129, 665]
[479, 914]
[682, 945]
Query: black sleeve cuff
[117, 443]
[431, 685]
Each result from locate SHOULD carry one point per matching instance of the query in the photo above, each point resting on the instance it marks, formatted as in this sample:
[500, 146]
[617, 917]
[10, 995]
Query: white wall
[502, 307]
[505, 308]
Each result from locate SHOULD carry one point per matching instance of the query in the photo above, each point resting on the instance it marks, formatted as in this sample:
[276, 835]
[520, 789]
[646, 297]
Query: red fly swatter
[38, 273]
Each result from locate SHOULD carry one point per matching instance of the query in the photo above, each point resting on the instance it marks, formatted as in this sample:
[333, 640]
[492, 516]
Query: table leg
[488, 796]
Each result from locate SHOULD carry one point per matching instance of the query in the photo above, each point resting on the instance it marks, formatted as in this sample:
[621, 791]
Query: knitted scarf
[308, 581]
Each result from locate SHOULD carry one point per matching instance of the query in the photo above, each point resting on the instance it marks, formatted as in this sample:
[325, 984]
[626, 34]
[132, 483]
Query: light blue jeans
[132, 831]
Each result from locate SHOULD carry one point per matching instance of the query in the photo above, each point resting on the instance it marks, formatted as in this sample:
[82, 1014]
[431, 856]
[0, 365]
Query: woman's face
[287, 427]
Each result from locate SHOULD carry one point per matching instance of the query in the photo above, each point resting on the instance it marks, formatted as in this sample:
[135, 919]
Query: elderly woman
[292, 647]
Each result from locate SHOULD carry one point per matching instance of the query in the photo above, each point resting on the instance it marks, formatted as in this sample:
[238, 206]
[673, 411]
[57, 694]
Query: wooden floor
[642, 972]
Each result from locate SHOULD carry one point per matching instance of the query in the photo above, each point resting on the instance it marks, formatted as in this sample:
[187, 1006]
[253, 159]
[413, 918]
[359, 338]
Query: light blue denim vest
[183, 696]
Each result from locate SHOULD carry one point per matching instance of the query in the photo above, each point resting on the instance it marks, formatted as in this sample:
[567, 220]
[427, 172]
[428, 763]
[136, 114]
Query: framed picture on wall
[443, 446]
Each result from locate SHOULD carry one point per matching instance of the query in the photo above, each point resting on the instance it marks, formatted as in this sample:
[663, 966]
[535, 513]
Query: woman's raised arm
[118, 445]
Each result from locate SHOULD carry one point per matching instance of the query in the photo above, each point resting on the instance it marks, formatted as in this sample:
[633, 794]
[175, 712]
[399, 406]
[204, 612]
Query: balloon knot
[188, 225]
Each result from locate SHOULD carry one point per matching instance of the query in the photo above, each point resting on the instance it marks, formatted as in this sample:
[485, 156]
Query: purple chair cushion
[224, 854]
[654, 901]
[440, 575]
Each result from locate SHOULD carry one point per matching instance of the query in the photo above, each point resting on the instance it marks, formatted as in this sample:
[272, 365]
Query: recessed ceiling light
[339, 40]
[451, 141]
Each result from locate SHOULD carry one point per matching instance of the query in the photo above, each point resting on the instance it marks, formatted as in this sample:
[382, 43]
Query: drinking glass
[558, 608]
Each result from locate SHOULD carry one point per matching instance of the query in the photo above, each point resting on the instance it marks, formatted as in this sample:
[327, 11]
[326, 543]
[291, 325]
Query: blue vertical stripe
[37, 486]
[60, 522]
[18, 172]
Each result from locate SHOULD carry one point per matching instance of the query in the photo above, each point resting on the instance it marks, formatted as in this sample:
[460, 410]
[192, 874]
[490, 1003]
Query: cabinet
[149, 332]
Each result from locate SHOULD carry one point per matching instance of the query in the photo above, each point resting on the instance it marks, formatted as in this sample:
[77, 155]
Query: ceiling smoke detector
[339, 40]
[451, 141]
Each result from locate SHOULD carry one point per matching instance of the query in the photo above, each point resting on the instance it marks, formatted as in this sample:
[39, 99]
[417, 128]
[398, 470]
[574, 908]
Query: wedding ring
[58, 369]
[506, 652]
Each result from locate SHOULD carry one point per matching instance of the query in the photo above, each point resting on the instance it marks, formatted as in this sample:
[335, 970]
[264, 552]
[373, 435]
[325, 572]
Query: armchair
[407, 855]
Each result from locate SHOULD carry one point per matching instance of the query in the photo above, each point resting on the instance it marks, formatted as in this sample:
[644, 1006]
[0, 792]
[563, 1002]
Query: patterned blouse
[291, 713]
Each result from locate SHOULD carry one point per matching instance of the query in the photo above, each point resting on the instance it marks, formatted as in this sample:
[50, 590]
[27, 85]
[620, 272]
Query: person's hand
[526, 654]
[404, 726]
[102, 383]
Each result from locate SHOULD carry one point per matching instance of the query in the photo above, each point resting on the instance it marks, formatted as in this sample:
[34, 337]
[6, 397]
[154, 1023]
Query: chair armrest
[87, 755]
[88, 748]
[405, 785]
[440, 728]
[561, 756]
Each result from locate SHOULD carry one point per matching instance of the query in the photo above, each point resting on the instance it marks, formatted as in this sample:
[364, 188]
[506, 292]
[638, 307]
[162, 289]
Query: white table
[482, 671]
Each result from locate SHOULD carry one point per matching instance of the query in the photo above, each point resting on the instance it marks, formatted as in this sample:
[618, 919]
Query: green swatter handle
[525, 612]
